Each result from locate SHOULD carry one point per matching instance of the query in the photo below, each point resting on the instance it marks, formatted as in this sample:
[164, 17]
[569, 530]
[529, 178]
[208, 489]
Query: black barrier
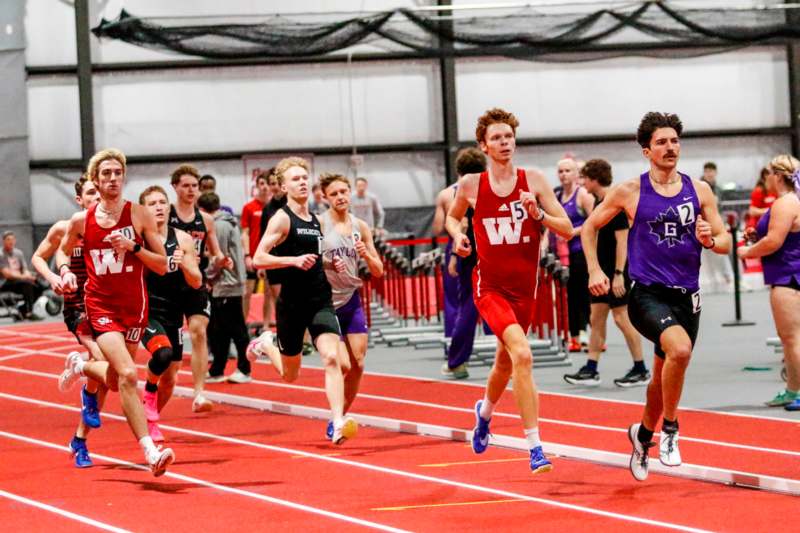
[733, 223]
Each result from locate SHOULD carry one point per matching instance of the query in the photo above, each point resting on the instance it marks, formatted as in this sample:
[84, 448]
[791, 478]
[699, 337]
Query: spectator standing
[251, 234]
[760, 199]
[715, 269]
[227, 289]
[366, 206]
[208, 183]
[317, 203]
[16, 276]
[777, 237]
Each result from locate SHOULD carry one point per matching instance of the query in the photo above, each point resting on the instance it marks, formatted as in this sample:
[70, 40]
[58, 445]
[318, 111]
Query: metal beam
[447, 72]
[793, 60]
[602, 51]
[84, 70]
[70, 164]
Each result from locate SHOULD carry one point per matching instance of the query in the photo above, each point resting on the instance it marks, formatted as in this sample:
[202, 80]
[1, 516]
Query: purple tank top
[662, 248]
[783, 265]
[577, 219]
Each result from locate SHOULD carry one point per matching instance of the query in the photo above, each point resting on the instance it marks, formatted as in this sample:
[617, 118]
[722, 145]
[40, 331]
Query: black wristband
[136, 248]
[713, 243]
[618, 272]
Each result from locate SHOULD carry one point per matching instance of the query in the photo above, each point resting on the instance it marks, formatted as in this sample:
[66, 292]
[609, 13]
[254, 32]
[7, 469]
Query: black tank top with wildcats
[301, 286]
[165, 291]
[196, 228]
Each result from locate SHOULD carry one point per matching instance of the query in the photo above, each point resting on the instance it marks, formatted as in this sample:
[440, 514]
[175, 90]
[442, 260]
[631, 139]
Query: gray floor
[717, 377]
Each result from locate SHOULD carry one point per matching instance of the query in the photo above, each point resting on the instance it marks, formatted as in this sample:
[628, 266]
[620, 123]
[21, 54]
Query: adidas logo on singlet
[503, 207]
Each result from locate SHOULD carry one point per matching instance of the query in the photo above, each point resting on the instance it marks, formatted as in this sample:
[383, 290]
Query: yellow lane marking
[405, 507]
[442, 465]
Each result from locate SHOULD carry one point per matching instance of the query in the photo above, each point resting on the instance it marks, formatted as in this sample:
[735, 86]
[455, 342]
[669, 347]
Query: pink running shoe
[151, 406]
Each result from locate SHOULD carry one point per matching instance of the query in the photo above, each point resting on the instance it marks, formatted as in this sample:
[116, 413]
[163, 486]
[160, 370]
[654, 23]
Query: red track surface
[260, 454]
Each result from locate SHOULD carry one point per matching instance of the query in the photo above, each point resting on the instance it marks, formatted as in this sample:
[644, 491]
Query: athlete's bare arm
[782, 220]
[622, 197]
[466, 193]
[69, 283]
[366, 249]
[620, 258]
[276, 232]
[586, 202]
[555, 218]
[443, 200]
[153, 255]
[45, 251]
[709, 228]
[185, 258]
[220, 261]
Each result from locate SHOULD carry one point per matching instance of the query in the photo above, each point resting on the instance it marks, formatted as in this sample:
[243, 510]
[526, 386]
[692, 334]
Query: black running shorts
[654, 308]
[158, 334]
[292, 320]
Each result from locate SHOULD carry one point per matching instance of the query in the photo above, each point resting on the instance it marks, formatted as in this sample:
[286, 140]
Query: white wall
[399, 180]
[742, 89]
[739, 159]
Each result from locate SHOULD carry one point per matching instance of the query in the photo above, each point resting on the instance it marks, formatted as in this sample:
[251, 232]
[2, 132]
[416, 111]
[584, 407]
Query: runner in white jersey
[347, 239]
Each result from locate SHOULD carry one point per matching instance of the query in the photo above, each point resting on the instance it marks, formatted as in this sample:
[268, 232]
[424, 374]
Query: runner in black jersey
[162, 336]
[92, 394]
[305, 297]
[184, 215]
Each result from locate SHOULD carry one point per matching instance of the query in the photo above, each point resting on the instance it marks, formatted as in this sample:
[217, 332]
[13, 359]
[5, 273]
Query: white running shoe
[668, 451]
[255, 350]
[159, 460]
[347, 430]
[70, 375]
[239, 377]
[201, 404]
[639, 455]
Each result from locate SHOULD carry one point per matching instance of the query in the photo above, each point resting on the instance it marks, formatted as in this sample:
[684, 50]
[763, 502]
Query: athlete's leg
[198, 325]
[327, 345]
[249, 289]
[166, 384]
[356, 344]
[524, 388]
[678, 348]
[597, 337]
[785, 303]
[120, 357]
[632, 337]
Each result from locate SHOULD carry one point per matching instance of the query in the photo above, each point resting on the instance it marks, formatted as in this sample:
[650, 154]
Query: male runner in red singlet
[114, 231]
[93, 393]
[511, 206]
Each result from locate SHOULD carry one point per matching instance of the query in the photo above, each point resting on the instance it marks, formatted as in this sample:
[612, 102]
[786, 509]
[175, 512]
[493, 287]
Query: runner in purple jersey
[777, 243]
[671, 216]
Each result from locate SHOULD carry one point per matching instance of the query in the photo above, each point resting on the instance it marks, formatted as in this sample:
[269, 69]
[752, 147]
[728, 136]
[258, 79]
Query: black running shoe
[634, 378]
[584, 376]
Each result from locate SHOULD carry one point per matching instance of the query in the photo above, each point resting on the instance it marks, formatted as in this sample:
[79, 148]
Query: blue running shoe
[329, 430]
[78, 450]
[540, 463]
[89, 411]
[480, 435]
[794, 406]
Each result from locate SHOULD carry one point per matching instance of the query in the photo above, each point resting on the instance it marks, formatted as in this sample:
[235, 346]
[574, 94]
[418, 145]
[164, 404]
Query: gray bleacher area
[406, 308]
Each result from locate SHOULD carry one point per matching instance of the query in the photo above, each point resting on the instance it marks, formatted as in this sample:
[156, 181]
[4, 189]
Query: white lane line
[480, 386]
[437, 406]
[61, 512]
[212, 485]
[366, 466]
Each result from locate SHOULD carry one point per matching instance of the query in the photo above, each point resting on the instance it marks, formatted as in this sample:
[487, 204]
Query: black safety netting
[526, 31]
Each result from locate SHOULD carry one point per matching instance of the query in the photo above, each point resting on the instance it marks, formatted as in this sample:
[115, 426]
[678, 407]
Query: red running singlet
[507, 244]
[115, 291]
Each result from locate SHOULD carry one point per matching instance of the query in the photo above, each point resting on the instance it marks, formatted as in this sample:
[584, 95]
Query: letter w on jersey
[106, 260]
[502, 230]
